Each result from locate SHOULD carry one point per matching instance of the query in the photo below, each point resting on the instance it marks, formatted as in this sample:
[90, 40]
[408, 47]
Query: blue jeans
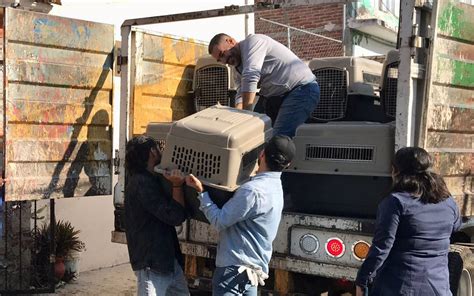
[227, 281]
[296, 108]
[151, 283]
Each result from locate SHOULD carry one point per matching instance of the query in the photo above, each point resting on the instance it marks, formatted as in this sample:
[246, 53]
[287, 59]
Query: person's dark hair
[138, 152]
[279, 152]
[215, 41]
[412, 175]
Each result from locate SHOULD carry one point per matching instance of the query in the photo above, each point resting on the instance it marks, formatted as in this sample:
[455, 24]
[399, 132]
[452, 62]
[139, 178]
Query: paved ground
[118, 280]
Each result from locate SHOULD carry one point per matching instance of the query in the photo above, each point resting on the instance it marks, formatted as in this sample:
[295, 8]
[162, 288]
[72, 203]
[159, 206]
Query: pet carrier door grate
[333, 99]
[204, 165]
[212, 87]
[389, 91]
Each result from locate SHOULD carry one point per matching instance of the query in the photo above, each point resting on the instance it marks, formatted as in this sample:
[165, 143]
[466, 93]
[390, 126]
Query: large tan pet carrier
[219, 145]
[339, 77]
[340, 168]
[213, 83]
[344, 148]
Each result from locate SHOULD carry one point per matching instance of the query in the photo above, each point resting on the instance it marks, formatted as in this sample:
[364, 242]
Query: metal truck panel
[36, 28]
[163, 76]
[65, 98]
[288, 263]
[202, 232]
[312, 243]
[278, 261]
[182, 230]
[455, 20]
[203, 238]
[313, 268]
[281, 244]
[449, 128]
[453, 72]
[58, 105]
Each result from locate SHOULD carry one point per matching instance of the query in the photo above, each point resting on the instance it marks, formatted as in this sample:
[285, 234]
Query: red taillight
[335, 247]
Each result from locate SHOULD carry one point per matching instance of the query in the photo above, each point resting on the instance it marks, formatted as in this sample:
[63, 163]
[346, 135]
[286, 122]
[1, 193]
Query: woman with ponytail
[409, 252]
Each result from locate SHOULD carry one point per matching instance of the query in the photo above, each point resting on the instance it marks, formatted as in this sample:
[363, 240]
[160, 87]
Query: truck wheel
[461, 270]
[465, 283]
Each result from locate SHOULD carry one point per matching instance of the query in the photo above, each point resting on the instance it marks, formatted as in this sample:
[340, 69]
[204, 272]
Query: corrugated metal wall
[58, 106]
[164, 67]
[450, 118]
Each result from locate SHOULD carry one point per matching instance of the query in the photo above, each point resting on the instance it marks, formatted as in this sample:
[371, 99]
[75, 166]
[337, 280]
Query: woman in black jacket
[151, 214]
[409, 252]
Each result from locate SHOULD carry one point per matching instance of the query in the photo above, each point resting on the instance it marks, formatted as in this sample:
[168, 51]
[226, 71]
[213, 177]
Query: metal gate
[26, 262]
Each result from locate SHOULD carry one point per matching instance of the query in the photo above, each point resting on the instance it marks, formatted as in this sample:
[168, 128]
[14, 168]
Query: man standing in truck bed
[248, 222]
[287, 86]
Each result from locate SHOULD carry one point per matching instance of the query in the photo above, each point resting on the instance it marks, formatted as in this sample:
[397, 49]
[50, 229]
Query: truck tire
[461, 270]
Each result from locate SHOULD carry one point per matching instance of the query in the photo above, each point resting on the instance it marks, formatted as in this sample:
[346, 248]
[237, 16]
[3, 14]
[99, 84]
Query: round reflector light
[309, 244]
[335, 247]
[360, 250]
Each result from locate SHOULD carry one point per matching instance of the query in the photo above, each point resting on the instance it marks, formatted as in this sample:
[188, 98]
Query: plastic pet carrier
[365, 108]
[213, 83]
[339, 78]
[159, 131]
[388, 94]
[340, 168]
[219, 145]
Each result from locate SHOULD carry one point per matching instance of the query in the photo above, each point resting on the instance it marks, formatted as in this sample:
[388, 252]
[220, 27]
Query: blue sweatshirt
[248, 222]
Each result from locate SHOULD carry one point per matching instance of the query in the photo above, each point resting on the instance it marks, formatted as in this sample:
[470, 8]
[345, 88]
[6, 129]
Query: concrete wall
[94, 215]
[386, 10]
[370, 47]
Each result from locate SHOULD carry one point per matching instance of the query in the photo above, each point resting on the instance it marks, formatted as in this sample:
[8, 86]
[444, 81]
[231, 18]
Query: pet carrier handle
[159, 170]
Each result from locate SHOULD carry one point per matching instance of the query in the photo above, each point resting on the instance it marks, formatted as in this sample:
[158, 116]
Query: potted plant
[68, 245]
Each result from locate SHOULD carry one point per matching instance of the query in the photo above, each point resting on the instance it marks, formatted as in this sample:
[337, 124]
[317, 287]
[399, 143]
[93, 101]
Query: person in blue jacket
[409, 252]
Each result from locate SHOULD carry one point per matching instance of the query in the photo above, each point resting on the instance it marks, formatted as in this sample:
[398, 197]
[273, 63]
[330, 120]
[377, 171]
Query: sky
[116, 11]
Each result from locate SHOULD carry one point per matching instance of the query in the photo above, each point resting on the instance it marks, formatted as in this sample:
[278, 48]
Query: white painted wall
[94, 216]
[370, 47]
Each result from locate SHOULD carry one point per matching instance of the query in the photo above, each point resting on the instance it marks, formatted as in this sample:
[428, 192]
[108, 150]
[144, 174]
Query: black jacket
[151, 215]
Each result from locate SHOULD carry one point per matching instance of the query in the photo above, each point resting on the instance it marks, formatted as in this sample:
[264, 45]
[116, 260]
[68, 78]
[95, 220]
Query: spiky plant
[67, 239]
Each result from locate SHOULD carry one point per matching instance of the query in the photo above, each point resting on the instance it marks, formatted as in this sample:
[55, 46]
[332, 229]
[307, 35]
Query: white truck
[426, 92]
